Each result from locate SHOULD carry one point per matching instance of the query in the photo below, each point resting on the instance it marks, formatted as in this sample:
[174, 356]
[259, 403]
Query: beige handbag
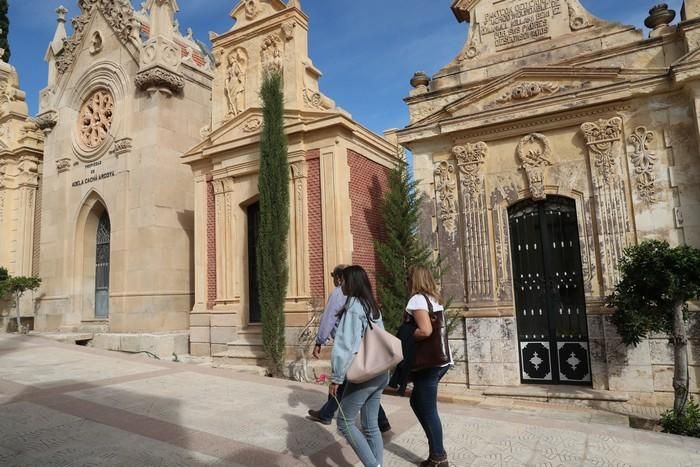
[379, 352]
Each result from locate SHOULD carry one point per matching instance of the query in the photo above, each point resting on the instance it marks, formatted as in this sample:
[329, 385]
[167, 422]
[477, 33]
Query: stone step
[557, 392]
[247, 339]
[240, 355]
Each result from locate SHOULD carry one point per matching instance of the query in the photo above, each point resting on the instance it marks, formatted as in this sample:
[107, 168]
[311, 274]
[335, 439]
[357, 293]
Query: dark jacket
[402, 374]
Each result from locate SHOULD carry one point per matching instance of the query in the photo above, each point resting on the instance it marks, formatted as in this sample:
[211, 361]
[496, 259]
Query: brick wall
[313, 187]
[211, 247]
[368, 183]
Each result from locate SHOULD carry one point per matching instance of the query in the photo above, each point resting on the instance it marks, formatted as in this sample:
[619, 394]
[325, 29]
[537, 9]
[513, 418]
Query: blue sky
[367, 49]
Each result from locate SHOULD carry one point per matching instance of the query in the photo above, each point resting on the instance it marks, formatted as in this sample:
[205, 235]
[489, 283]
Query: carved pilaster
[477, 248]
[603, 139]
[643, 160]
[446, 194]
[535, 152]
[298, 238]
[224, 239]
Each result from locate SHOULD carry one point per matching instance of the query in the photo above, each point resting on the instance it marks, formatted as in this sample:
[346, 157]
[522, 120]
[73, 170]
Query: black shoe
[435, 461]
[315, 415]
[384, 428]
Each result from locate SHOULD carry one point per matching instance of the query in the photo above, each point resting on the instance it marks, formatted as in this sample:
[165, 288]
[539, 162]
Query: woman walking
[425, 381]
[358, 399]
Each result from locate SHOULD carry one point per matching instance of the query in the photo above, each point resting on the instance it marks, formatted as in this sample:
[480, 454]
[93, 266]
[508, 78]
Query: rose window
[96, 119]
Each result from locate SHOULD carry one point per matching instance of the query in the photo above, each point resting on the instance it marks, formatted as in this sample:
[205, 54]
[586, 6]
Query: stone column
[200, 243]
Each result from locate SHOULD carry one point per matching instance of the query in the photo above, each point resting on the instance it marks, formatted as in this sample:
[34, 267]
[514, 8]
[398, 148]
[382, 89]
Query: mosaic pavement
[64, 405]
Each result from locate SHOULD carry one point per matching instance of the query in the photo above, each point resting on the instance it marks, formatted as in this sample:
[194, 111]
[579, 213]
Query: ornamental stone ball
[420, 79]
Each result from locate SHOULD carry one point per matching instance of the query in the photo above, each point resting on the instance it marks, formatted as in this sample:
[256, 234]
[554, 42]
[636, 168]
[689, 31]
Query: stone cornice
[553, 105]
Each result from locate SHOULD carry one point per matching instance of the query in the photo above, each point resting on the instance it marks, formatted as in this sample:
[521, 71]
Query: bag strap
[427, 300]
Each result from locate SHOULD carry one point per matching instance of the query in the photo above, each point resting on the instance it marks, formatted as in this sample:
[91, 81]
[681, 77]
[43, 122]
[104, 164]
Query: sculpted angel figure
[235, 82]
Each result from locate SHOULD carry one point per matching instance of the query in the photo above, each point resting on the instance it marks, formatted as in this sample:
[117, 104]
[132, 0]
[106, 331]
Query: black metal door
[549, 294]
[254, 302]
[102, 267]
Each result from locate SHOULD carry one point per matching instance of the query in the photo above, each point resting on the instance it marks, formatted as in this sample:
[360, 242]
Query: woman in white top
[425, 381]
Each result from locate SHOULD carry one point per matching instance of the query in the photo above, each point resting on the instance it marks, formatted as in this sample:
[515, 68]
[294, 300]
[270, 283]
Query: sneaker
[315, 415]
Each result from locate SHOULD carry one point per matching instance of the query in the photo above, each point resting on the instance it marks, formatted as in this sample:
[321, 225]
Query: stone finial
[61, 13]
[659, 18]
[420, 79]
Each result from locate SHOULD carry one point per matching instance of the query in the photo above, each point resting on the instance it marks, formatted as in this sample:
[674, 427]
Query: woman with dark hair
[358, 399]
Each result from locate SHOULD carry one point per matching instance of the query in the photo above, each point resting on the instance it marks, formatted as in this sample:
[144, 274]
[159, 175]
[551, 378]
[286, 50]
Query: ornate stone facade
[21, 158]
[338, 172]
[534, 161]
[114, 136]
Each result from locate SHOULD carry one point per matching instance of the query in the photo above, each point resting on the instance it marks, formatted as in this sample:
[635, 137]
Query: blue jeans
[327, 412]
[363, 399]
[424, 405]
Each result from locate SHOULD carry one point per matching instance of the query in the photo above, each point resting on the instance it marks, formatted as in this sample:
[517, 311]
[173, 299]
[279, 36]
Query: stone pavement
[63, 405]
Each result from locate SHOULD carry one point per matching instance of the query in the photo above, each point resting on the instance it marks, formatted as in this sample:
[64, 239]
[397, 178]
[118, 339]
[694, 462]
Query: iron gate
[102, 267]
[549, 294]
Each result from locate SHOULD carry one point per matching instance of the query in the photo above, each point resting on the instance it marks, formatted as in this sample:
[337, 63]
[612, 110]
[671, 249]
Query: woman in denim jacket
[362, 399]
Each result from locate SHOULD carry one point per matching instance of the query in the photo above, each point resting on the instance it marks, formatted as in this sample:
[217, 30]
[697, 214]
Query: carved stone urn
[420, 79]
[659, 16]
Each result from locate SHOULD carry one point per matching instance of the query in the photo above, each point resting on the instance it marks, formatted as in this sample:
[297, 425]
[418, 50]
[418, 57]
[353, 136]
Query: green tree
[5, 26]
[15, 288]
[273, 184]
[401, 246]
[652, 296]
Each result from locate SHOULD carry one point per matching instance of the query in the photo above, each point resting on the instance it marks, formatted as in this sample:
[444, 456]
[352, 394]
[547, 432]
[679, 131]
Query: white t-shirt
[417, 302]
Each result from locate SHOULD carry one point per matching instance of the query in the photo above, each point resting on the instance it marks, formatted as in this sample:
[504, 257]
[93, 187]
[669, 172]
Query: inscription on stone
[521, 22]
[93, 178]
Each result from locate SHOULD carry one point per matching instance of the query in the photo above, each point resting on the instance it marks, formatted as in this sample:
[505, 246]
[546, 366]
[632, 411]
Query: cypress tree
[5, 26]
[402, 246]
[273, 184]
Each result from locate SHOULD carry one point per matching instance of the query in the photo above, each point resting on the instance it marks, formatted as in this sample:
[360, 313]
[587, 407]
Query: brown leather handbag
[435, 350]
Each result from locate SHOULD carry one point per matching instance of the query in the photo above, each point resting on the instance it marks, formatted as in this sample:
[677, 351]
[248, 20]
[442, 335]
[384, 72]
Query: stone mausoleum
[551, 142]
[337, 173]
[21, 153]
[127, 95]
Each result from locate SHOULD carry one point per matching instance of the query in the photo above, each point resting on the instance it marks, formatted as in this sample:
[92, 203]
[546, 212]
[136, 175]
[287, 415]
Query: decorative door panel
[549, 294]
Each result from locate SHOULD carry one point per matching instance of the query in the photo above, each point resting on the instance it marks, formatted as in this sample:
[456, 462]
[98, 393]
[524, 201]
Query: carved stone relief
[603, 139]
[578, 19]
[96, 43]
[157, 79]
[535, 152]
[122, 146]
[96, 119]
[236, 66]
[477, 251]
[119, 14]
[643, 160]
[524, 91]
[501, 233]
[252, 124]
[470, 158]
[63, 164]
[272, 52]
[446, 194]
[252, 8]
[47, 121]
[473, 45]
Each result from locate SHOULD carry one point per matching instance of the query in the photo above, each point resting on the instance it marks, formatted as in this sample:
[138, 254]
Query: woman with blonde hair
[425, 299]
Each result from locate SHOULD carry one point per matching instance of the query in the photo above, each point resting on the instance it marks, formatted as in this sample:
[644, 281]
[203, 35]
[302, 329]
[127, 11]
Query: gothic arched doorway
[549, 294]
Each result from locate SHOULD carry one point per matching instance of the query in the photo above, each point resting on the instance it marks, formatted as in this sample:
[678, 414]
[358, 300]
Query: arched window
[102, 267]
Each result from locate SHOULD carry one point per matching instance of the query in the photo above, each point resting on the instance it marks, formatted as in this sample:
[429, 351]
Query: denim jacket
[348, 337]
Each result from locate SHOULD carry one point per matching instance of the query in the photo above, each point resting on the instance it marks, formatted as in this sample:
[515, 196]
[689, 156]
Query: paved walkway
[64, 405]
